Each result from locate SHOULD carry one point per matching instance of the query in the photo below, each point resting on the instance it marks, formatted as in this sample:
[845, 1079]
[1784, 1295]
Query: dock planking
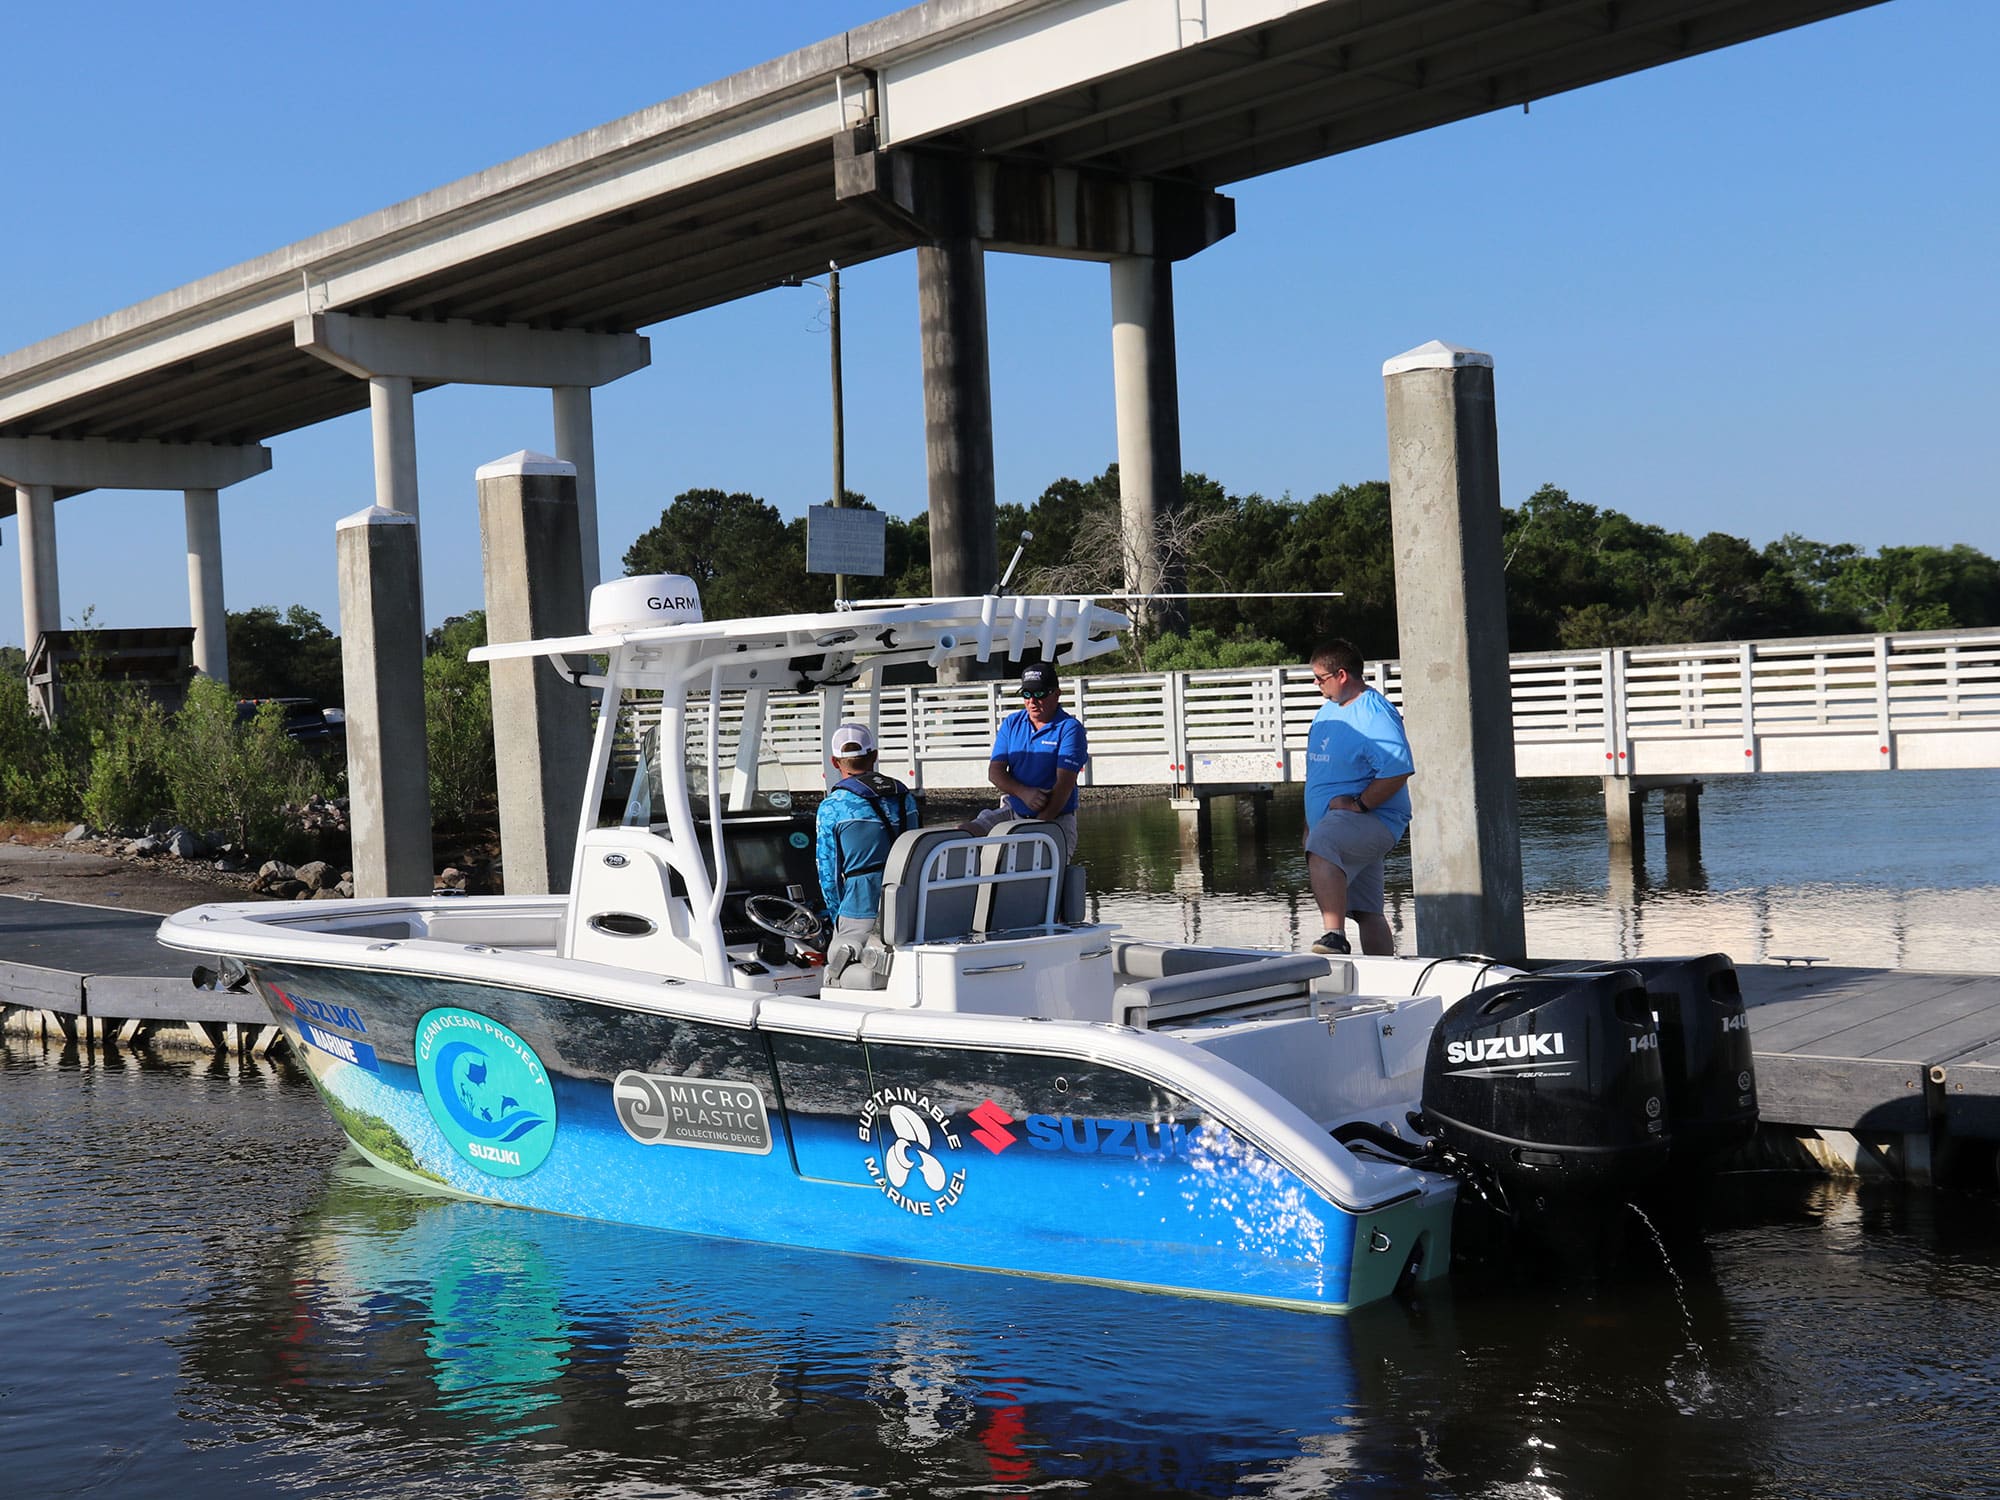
[1875, 1049]
[104, 963]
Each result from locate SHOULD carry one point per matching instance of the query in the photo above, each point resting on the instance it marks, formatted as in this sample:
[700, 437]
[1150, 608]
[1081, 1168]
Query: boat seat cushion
[1200, 991]
[946, 913]
[1032, 897]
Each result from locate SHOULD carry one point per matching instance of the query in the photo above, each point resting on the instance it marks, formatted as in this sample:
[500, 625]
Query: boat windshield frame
[824, 653]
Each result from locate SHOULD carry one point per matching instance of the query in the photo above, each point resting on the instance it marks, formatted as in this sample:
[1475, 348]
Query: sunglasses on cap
[1044, 693]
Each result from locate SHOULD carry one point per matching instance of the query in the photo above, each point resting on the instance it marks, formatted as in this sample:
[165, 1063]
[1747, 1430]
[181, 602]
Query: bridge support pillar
[203, 511]
[46, 467]
[1624, 812]
[1625, 830]
[1680, 805]
[41, 604]
[958, 425]
[1444, 502]
[1139, 226]
[541, 725]
[576, 444]
[1146, 389]
[382, 663]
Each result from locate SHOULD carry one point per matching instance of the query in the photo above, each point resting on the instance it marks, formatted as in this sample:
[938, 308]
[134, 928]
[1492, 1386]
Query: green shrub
[1201, 650]
[237, 776]
[127, 785]
[458, 723]
[45, 769]
[23, 749]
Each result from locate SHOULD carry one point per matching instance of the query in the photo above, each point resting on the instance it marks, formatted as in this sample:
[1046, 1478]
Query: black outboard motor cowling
[1705, 1057]
[1551, 1083]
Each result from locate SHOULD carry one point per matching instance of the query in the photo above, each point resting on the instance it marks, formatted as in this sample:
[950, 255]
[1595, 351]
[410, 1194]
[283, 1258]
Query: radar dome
[644, 603]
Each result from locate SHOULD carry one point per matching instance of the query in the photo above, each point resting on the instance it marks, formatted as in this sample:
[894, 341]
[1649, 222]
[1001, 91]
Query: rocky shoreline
[97, 876]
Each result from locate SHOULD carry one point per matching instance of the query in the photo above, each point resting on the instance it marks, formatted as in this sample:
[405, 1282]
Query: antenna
[1026, 537]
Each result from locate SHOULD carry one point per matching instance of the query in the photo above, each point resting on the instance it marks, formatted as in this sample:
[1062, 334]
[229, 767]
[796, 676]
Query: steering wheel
[783, 917]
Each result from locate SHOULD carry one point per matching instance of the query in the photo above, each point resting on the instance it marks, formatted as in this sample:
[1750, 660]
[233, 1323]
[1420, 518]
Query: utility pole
[839, 434]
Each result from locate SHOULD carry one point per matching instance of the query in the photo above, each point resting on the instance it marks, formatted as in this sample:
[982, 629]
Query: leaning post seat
[1003, 908]
[1024, 857]
[914, 910]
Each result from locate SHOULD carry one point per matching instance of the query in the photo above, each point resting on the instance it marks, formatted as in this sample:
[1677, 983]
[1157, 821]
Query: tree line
[1577, 577]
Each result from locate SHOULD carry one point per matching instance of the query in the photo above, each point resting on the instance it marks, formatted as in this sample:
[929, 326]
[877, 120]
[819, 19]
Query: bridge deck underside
[676, 255]
[529, 243]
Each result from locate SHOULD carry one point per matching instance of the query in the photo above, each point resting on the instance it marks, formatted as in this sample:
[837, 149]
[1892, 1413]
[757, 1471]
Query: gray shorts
[856, 928]
[986, 819]
[1354, 843]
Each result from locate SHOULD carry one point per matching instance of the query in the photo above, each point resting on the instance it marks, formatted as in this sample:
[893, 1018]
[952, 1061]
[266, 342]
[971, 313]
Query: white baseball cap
[851, 740]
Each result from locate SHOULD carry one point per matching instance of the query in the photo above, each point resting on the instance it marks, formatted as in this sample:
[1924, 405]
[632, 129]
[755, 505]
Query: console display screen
[756, 859]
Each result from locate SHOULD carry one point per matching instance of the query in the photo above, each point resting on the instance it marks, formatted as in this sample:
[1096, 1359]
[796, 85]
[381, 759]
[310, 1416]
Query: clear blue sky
[1752, 292]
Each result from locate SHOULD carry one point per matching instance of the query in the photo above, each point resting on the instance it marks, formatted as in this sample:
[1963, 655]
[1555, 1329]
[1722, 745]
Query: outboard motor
[1705, 1058]
[1552, 1085]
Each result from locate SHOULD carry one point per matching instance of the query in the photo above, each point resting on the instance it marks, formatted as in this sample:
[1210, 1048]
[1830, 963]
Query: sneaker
[1332, 942]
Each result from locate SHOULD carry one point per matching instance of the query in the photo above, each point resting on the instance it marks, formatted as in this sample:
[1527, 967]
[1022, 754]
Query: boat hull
[1046, 1162]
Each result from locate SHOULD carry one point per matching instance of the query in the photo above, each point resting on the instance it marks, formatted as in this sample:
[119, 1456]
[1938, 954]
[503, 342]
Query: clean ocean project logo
[487, 1091]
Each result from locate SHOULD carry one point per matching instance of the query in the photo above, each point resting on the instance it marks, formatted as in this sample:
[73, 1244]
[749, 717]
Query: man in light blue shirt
[859, 818]
[1357, 761]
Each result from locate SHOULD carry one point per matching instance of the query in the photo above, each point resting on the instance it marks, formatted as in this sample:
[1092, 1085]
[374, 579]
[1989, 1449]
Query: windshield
[754, 783]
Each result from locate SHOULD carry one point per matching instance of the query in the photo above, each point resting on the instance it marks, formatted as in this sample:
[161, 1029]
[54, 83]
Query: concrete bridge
[1094, 130]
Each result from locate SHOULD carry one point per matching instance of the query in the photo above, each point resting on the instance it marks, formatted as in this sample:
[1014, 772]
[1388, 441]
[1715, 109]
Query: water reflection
[415, 1330]
[682, 1361]
[590, 1352]
[1884, 870]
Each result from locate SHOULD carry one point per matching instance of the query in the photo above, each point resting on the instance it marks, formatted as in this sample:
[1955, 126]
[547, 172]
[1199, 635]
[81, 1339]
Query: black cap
[1038, 678]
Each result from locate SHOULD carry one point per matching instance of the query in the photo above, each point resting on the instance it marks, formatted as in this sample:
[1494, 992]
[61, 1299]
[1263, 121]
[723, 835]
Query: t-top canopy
[813, 650]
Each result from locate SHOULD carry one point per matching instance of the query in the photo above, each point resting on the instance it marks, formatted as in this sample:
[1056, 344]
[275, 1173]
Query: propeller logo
[911, 1144]
[910, 1152]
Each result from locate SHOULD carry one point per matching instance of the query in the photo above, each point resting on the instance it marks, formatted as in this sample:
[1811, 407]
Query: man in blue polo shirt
[1037, 756]
[1357, 806]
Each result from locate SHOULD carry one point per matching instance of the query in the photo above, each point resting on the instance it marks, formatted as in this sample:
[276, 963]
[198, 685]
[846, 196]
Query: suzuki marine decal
[320, 1025]
[713, 1114]
[345, 1017]
[1083, 1135]
[992, 1121]
[910, 1147]
[487, 1091]
[335, 1045]
[1509, 1054]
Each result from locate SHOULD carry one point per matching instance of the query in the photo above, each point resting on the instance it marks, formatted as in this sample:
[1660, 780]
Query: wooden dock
[96, 972]
[1871, 1069]
[1902, 1063]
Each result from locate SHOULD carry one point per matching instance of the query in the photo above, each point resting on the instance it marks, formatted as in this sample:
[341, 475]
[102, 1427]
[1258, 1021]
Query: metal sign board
[844, 539]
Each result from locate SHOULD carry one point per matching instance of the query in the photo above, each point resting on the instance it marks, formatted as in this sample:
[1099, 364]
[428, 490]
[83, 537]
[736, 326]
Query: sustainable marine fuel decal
[487, 1091]
[1084, 1135]
[909, 1140]
[711, 1113]
[317, 1021]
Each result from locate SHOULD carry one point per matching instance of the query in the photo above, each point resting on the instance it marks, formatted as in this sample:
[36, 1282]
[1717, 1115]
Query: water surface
[202, 1293]
[1893, 870]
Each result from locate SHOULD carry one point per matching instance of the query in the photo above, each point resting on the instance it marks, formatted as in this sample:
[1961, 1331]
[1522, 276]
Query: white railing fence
[1918, 701]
